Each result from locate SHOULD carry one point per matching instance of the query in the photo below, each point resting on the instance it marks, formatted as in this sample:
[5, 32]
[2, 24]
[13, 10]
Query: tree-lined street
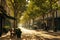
[29, 19]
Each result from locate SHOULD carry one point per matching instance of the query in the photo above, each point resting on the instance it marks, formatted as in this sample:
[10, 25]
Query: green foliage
[22, 2]
[35, 8]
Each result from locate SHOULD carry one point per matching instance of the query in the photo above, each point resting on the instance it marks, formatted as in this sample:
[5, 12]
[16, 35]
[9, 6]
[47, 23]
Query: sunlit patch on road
[26, 31]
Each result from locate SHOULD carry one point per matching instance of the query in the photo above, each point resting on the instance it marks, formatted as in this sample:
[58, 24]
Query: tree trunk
[0, 25]
[15, 14]
[52, 13]
[43, 17]
[33, 21]
[47, 19]
[29, 24]
[53, 21]
[56, 13]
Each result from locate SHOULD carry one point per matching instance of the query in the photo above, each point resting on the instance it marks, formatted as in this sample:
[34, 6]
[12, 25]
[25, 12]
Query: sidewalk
[5, 35]
[49, 35]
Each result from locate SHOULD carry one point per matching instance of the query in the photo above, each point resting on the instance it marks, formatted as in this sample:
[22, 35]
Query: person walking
[18, 32]
[12, 32]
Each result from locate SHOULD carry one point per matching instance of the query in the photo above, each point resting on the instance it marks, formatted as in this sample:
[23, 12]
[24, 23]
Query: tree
[53, 7]
[46, 6]
[18, 7]
[43, 6]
